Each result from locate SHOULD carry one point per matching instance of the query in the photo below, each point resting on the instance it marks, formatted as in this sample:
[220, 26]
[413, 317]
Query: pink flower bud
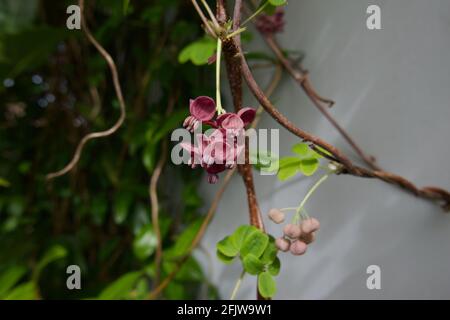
[276, 216]
[282, 244]
[308, 238]
[292, 231]
[298, 248]
[310, 225]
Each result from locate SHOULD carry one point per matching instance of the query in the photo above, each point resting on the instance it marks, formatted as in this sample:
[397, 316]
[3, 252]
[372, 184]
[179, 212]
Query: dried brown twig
[115, 78]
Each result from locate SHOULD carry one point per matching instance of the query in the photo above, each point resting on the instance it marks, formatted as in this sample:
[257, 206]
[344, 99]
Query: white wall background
[391, 89]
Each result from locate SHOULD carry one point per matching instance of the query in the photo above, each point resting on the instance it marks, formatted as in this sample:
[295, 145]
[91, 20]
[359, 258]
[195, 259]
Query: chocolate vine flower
[202, 109]
[269, 24]
[221, 149]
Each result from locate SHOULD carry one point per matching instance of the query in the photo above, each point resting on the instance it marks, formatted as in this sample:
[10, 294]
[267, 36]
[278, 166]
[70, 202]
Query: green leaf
[255, 243]
[121, 207]
[303, 150]
[274, 268]
[26, 291]
[277, 3]
[239, 235]
[145, 243]
[270, 9]
[263, 160]
[252, 264]
[309, 166]
[227, 248]
[224, 258]
[323, 151]
[270, 253]
[120, 288]
[4, 183]
[198, 51]
[54, 253]
[289, 162]
[184, 241]
[266, 285]
[288, 167]
[287, 172]
[10, 277]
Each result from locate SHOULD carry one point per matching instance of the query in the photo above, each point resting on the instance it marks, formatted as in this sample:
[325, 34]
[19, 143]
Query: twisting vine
[115, 78]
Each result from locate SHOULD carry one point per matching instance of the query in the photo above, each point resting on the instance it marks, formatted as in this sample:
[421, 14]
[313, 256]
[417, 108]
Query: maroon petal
[233, 121]
[222, 117]
[213, 178]
[202, 108]
[247, 115]
[216, 168]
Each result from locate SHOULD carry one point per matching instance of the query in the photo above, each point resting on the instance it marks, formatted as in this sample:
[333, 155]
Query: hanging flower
[269, 24]
[221, 149]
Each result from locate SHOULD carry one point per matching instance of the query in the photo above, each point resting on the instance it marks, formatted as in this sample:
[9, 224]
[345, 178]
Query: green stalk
[219, 107]
[309, 194]
[237, 286]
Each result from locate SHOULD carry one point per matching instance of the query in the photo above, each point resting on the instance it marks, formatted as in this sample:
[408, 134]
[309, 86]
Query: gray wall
[392, 92]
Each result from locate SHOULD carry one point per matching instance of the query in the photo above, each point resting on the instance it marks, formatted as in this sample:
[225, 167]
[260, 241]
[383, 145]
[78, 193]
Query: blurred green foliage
[54, 89]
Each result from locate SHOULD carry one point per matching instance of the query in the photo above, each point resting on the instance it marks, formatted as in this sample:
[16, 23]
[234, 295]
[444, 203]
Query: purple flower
[271, 24]
[202, 109]
[221, 149]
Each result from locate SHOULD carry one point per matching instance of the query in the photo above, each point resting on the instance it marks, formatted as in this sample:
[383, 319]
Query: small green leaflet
[198, 51]
[306, 161]
[266, 285]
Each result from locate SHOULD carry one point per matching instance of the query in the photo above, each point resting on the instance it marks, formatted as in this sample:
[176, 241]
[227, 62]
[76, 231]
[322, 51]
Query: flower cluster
[269, 24]
[220, 150]
[296, 237]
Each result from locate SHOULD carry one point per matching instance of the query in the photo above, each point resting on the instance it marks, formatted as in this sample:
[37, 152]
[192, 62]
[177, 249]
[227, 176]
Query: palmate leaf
[120, 288]
[198, 51]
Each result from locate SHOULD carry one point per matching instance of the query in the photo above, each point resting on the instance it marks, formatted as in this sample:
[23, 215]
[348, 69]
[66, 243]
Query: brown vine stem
[155, 209]
[115, 78]
[153, 193]
[434, 194]
[214, 204]
[234, 71]
[234, 74]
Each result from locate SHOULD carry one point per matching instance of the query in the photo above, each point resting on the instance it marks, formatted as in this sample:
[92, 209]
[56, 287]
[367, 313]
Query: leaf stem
[237, 286]
[310, 193]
